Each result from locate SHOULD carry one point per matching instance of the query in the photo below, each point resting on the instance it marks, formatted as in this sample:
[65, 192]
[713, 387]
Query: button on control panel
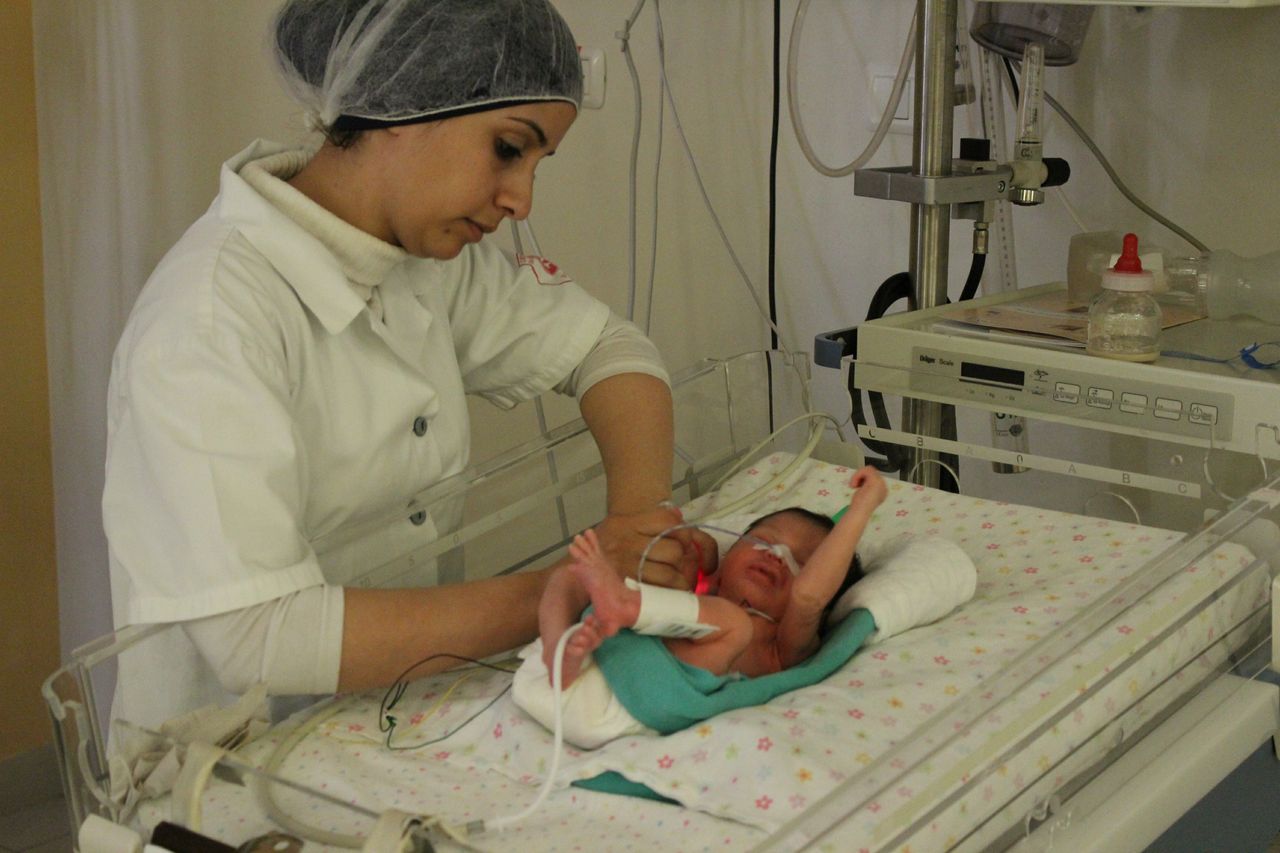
[1169, 410]
[1100, 398]
[1199, 413]
[1065, 392]
[1133, 404]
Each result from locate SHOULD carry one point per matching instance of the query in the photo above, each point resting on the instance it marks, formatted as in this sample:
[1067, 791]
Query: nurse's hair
[357, 65]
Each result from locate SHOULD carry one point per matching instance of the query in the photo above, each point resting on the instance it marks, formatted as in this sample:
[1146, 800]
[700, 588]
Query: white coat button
[419, 516]
[419, 426]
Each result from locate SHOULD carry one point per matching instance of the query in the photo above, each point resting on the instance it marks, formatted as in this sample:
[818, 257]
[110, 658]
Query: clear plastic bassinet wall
[512, 512]
[1114, 630]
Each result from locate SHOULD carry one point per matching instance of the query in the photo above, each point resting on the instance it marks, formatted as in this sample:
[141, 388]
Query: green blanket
[668, 695]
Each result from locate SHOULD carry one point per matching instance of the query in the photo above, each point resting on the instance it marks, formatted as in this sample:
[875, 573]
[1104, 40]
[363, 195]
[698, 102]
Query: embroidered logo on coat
[545, 270]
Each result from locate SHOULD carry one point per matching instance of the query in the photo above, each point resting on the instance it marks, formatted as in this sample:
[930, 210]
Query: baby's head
[756, 578]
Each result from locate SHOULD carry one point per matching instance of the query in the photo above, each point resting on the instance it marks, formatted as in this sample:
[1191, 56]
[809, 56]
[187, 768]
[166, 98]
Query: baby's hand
[871, 489]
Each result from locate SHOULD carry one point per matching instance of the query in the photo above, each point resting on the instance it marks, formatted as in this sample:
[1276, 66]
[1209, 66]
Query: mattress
[938, 738]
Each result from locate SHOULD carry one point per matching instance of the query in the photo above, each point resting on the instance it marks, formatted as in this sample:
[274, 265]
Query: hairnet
[379, 62]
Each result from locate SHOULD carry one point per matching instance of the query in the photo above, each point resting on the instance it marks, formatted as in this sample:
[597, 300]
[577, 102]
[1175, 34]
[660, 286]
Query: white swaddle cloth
[910, 581]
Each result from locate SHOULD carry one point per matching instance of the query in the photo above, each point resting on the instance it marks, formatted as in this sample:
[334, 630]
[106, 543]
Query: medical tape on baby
[668, 613]
[782, 552]
[751, 611]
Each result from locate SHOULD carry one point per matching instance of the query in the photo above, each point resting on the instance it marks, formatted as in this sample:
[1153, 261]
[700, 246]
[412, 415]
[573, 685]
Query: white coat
[257, 405]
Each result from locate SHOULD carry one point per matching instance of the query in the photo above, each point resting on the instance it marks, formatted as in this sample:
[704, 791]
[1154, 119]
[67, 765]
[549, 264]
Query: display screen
[985, 373]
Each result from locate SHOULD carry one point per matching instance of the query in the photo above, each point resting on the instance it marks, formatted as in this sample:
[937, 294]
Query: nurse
[296, 366]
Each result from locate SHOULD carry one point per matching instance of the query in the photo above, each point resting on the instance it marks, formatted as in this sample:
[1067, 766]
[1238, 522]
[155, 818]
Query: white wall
[1186, 102]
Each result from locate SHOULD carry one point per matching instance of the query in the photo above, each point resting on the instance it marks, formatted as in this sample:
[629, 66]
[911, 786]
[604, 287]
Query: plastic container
[1088, 254]
[1091, 253]
[1124, 319]
[1228, 285]
[1007, 27]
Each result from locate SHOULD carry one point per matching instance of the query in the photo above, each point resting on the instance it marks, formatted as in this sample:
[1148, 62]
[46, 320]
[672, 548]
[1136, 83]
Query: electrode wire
[702, 187]
[774, 548]
[1246, 356]
[624, 36]
[557, 671]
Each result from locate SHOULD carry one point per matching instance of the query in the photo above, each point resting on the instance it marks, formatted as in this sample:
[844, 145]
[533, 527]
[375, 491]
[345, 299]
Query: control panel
[1132, 403]
[1206, 403]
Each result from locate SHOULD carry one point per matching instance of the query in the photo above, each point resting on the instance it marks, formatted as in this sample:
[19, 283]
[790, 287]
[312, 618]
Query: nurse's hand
[673, 561]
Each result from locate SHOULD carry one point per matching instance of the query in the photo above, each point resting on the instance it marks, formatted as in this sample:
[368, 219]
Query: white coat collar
[310, 266]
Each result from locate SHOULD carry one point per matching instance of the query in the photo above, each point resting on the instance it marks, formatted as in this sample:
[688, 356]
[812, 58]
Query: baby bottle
[1228, 284]
[1124, 319]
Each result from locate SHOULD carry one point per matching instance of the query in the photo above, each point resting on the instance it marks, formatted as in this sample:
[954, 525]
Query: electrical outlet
[882, 77]
[593, 77]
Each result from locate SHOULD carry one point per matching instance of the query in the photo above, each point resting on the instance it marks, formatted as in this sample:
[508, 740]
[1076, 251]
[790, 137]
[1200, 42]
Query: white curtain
[139, 101]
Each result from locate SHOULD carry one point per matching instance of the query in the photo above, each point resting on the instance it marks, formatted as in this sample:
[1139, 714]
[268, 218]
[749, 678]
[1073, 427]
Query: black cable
[976, 266]
[387, 722]
[773, 174]
[773, 203]
[896, 287]
[1013, 78]
[448, 734]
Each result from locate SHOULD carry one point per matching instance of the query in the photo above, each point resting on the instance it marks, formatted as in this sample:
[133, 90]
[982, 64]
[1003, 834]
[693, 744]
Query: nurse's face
[448, 183]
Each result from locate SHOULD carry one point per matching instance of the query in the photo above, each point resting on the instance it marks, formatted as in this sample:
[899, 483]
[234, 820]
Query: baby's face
[755, 578]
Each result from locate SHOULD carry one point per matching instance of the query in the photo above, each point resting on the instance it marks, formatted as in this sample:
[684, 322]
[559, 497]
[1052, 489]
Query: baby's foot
[615, 606]
[585, 640]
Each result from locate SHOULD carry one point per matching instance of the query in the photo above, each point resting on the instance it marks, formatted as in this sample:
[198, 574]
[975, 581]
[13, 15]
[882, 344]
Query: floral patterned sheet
[462, 749]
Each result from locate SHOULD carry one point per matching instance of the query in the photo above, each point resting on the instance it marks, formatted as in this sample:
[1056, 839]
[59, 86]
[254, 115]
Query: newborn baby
[767, 599]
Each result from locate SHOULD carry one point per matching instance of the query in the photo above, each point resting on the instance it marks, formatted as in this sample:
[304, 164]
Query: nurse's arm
[630, 417]
[385, 631]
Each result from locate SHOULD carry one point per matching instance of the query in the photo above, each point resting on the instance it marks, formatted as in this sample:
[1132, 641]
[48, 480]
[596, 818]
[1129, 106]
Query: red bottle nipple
[1129, 261]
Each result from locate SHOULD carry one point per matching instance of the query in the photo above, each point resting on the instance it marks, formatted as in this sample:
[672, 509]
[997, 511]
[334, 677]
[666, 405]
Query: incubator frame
[520, 510]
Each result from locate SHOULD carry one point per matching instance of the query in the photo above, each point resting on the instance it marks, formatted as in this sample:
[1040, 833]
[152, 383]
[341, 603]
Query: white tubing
[557, 744]
[99, 835]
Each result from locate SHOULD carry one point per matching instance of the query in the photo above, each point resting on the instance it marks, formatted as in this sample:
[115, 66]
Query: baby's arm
[719, 652]
[822, 575]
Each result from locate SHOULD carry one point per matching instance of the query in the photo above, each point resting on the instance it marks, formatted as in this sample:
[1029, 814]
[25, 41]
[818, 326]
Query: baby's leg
[561, 605]
[615, 605]
[585, 640]
[590, 572]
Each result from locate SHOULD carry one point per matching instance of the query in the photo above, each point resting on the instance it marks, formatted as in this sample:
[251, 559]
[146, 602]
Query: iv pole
[931, 222]
[939, 186]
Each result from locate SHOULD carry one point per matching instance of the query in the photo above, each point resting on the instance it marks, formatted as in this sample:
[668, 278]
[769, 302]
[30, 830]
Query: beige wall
[28, 580]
